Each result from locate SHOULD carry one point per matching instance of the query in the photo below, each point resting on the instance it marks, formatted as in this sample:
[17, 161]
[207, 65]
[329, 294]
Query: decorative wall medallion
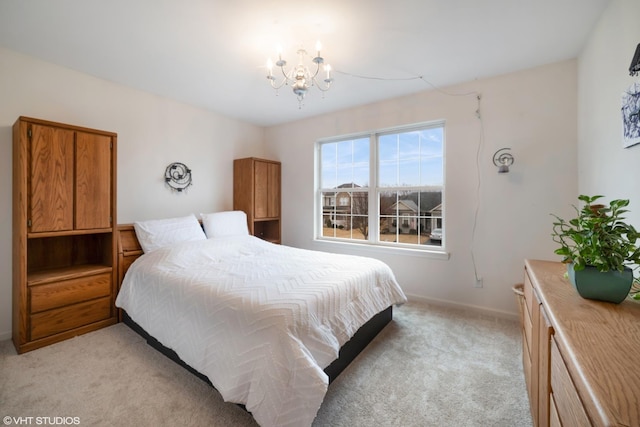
[177, 176]
[631, 115]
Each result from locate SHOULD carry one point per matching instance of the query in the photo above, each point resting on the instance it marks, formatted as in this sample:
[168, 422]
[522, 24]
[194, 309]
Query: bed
[269, 326]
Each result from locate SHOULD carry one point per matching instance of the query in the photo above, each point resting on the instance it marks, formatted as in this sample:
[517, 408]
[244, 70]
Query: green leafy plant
[598, 237]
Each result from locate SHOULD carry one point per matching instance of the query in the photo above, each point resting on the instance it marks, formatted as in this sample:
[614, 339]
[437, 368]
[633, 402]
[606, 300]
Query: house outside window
[329, 200]
[404, 204]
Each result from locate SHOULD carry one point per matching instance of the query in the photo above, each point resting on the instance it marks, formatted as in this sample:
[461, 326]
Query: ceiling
[212, 53]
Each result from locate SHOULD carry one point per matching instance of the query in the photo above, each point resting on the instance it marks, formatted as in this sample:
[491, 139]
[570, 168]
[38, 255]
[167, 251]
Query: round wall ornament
[177, 176]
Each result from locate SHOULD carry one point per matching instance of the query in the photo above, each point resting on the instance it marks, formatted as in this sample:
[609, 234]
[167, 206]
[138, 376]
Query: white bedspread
[260, 320]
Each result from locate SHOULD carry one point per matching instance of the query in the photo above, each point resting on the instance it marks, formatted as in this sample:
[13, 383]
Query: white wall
[533, 112]
[152, 133]
[605, 167]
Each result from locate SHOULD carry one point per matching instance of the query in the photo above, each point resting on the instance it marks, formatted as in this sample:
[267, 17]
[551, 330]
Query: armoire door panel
[273, 193]
[93, 181]
[261, 194]
[51, 179]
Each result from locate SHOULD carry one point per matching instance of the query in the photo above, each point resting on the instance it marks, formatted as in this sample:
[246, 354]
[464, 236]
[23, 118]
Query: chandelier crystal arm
[271, 77]
[272, 81]
[327, 81]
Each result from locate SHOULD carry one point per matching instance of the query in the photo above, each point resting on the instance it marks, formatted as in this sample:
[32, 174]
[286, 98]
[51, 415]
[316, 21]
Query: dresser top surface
[599, 341]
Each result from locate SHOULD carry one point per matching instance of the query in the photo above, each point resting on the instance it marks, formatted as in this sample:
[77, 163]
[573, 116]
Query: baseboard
[475, 308]
[5, 335]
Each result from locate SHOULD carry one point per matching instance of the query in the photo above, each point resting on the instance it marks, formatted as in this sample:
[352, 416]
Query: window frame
[373, 241]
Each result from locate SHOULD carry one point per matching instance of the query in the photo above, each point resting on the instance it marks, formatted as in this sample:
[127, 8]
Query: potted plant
[599, 248]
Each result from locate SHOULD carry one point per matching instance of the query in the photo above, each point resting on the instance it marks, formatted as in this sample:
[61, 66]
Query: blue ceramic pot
[612, 286]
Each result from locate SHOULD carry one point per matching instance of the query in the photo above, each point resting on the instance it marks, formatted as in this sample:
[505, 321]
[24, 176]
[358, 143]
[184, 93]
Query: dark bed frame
[129, 250]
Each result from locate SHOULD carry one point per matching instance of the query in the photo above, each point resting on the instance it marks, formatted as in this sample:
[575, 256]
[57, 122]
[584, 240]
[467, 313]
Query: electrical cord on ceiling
[401, 79]
[359, 76]
[478, 150]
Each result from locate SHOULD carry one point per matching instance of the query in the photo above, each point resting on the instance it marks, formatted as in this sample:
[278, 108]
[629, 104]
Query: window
[402, 207]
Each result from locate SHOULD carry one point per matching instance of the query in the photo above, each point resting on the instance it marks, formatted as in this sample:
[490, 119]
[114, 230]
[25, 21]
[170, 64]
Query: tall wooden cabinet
[64, 225]
[256, 191]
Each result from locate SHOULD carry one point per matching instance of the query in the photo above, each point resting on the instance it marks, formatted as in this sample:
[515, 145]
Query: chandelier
[300, 77]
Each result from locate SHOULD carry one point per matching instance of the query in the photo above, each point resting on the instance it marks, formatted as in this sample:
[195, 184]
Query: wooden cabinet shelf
[267, 229]
[66, 273]
[69, 233]
[64, 222]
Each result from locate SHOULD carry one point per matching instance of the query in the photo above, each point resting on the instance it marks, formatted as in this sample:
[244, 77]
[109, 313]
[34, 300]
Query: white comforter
[261, 321]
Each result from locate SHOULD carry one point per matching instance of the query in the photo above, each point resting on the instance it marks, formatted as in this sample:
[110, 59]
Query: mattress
[260, 320]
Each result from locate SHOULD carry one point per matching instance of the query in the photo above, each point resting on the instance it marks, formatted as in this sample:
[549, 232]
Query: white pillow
[158, 233]
[225, 224]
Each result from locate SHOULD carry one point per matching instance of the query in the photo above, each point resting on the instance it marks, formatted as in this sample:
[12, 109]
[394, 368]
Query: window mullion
[374, 214]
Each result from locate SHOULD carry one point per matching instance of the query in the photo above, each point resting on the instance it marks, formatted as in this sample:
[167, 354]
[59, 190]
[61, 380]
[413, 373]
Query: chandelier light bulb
[270, 68]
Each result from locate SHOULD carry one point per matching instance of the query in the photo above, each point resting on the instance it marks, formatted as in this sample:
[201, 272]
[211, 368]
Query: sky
[410, 158]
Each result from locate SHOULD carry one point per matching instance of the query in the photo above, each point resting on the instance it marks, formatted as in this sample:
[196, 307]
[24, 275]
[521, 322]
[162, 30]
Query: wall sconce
[634, 68]
[503, 159]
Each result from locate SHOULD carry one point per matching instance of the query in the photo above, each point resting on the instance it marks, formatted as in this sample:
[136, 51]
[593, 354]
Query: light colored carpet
[432, 366]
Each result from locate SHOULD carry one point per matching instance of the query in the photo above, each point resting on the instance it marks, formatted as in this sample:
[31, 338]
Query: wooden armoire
[256, 191]
[64, 229]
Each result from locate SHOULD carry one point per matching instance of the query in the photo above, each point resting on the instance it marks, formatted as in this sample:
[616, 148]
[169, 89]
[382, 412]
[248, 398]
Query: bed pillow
[158, 233]
[225, 224]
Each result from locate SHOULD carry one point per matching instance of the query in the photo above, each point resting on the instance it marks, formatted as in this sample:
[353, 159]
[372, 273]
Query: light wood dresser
[580, 357]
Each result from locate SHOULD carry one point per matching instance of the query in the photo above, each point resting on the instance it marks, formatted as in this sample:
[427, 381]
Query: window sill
[382, 249]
